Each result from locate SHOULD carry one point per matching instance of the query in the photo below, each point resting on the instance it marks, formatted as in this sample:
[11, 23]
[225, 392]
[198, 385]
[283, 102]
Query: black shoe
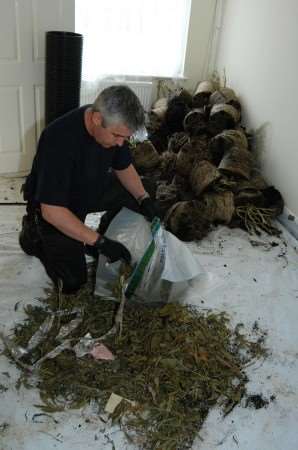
[29, 239]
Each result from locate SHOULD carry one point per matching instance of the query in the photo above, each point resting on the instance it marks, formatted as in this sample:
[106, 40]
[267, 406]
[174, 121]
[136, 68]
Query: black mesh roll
[63, 73]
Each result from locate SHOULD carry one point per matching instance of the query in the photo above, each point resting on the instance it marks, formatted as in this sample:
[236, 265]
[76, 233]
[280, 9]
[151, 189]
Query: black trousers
[62, 256]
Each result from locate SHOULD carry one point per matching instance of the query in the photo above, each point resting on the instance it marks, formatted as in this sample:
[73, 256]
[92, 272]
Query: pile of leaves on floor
[203, 165]
[170, 364]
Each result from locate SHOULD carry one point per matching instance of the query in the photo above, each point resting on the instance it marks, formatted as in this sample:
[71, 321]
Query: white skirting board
[289, 221]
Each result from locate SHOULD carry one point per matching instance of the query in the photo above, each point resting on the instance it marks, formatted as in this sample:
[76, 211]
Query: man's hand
[148, 208]
[113, 250]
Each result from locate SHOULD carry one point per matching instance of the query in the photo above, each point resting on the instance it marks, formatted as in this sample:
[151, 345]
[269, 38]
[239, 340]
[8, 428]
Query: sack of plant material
[163, 267]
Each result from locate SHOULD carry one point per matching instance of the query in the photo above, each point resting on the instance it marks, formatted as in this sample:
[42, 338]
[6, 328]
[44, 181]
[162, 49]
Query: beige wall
[196, 60]
[258, 49]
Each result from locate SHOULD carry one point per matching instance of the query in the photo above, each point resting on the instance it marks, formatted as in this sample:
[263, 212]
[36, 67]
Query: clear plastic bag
[164, 265]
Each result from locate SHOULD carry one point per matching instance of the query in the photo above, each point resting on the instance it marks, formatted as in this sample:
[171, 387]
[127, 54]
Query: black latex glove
[113, 250]
[148, 209]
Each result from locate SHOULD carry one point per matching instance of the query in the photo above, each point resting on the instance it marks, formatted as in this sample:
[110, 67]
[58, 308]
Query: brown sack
[202, 175]
[237, 161]
[145, 156]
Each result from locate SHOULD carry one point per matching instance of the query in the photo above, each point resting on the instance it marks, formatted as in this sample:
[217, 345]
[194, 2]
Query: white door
[23, 24]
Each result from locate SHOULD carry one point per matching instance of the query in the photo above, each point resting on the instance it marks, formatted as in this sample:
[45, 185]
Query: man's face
[109, 136]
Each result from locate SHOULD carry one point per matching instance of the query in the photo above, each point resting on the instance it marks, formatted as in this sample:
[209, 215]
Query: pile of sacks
[200, 158]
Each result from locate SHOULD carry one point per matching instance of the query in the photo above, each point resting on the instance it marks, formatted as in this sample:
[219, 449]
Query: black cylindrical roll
[63, 73]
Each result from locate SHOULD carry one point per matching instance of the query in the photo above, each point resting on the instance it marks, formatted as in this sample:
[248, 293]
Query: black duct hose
[63, 73]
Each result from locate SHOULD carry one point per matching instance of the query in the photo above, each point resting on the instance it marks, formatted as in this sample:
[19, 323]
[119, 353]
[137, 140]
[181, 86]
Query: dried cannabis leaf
[171, 360]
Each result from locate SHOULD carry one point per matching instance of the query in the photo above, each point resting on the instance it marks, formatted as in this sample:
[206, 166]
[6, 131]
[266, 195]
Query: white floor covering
[10, 189]
[251, 283]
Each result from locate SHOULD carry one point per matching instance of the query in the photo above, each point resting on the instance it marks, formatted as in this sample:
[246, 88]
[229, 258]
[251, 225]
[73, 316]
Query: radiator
[143, 89]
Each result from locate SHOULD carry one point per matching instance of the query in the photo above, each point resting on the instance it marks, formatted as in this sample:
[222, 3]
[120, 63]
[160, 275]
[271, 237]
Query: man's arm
[66, 222]
[131, 180]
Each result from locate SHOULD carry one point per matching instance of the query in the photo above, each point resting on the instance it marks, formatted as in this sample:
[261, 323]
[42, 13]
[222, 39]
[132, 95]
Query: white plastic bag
[164, 268]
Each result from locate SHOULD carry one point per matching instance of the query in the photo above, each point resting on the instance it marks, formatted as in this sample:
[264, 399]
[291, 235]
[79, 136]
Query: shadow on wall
[261, 138]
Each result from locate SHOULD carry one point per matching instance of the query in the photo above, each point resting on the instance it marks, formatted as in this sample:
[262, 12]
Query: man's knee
[70, 283]
[72, 286]
[64, 259]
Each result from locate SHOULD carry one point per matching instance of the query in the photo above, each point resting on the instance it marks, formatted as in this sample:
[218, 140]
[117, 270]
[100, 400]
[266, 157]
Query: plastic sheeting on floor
[251, 282]
[10, 189]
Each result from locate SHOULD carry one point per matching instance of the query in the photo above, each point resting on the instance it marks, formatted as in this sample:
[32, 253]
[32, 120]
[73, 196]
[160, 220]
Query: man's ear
[97, 118]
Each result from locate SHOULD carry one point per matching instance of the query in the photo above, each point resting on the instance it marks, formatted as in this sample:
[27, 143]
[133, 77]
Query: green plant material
[173, 361]
[4, 427]
[132, 142]
[3, 388]
[124, 273]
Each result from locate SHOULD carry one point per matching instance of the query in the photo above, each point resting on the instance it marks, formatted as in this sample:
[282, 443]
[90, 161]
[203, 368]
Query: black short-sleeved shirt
[70, 168]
